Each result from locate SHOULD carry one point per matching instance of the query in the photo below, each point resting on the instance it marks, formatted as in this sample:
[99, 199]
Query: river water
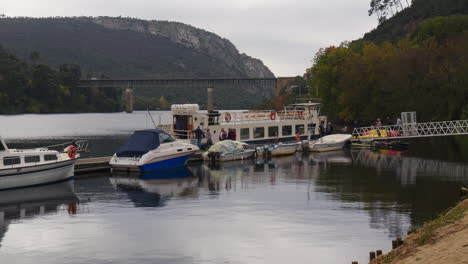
[314, 208]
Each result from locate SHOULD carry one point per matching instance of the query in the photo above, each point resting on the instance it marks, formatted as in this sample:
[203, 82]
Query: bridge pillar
[129, 98]
[210, 104]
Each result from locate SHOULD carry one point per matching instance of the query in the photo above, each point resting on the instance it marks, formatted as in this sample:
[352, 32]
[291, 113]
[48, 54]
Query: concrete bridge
[130, 84]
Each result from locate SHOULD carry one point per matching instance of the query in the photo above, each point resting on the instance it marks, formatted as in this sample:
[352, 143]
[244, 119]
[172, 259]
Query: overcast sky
[284, 34]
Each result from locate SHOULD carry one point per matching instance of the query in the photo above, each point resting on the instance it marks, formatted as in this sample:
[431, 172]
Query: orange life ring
[227, 117]
[71, 151]
[273, 115]
[300, 115]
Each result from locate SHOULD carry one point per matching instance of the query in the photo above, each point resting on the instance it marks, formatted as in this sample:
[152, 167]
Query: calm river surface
[317, 208]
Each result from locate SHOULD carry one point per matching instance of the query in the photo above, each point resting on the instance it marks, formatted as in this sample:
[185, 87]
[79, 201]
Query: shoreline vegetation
[442, 240]
[37, 88]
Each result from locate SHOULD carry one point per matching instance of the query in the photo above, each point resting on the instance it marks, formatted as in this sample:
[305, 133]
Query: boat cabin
[297, 120]
[13, 158]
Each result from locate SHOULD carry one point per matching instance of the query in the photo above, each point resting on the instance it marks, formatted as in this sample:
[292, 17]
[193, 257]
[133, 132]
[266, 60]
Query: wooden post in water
[372, 255]
[399, 241]
[394, 244]
[354, 262]
[379, 252]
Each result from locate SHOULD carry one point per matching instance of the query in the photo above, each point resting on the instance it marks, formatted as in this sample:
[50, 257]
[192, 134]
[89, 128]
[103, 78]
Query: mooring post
[354, 262]
[129, 100]
[2, 217]
[399, 241]
[372, 255]
[379, 252]
[394, 244]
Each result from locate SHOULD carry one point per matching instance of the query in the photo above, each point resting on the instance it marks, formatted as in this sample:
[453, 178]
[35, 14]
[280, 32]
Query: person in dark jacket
[321, 129]
[199, 135]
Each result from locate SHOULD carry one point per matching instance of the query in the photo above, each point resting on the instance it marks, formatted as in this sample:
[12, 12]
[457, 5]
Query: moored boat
[152, 150]
[228, 150]
[297, 121]
[329, 143]
[283, 149]
[32, 167]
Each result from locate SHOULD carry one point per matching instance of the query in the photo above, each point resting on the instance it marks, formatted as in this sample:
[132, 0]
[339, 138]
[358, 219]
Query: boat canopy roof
[143, 141]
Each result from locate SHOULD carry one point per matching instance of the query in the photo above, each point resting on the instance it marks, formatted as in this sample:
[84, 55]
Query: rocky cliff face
[193, 38]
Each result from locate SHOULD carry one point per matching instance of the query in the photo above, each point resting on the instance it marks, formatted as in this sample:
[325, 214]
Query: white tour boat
[297, 121]
[152, 150]
[33, 167]
[329, 143]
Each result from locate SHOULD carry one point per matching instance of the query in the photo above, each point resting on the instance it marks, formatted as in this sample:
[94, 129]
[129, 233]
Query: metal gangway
[409, 128]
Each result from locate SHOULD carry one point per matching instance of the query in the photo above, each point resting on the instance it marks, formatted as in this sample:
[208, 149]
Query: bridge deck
[413, 130]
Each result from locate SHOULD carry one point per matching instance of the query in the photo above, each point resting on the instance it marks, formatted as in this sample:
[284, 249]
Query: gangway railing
[412, 130]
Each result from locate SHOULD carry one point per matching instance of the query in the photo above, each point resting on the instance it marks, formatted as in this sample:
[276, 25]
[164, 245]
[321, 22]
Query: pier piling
[378, 252]
[372, 255]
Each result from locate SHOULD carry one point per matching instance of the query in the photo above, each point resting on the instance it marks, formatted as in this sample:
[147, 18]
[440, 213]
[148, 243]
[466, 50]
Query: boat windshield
[165, 138]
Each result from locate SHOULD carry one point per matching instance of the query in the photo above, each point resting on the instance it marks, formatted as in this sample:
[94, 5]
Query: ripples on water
[319, 208]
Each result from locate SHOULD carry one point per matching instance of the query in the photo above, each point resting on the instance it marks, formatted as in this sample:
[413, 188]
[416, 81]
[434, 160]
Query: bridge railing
[413, 130]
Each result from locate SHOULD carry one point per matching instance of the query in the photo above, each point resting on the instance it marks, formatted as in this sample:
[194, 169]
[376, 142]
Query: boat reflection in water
[155, 188]
[26, 203]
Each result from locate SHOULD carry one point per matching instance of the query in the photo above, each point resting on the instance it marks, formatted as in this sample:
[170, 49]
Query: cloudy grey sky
[284, 34]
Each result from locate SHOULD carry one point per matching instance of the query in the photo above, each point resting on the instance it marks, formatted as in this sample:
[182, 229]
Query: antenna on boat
[152, 120]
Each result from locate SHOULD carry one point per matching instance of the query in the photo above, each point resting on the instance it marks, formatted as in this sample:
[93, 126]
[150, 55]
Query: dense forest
[425, 71]
[37, 88]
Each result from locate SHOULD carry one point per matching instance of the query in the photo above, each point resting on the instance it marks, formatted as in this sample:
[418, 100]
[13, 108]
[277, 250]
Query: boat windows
[50, 157]
[300, 129]
[32, 159]
[286, 130]
[11, 160]
[259, 132]
[273, 131]
[244, 133]
[165, 138]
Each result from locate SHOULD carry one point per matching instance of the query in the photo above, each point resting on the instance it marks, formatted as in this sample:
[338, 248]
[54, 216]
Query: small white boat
[283, 149]
[152, 150]
[33, 167]
[329, 143]
[228, 150]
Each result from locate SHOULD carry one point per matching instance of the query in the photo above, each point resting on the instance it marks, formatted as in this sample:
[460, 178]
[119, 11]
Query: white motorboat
[32, 167]
[152, 150]
[283, 149]
[329, 143]
[228, 150]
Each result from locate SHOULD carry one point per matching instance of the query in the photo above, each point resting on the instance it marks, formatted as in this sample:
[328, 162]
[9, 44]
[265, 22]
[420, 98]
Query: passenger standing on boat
[234, 135]
[229, 134]
[329, 128]
[199, 135]
[222, 135]
[209, 140]
[321, 129]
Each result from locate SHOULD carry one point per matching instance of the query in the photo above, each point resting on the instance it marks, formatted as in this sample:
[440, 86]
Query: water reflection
[156, 188]
[408, 169]
[26, 203]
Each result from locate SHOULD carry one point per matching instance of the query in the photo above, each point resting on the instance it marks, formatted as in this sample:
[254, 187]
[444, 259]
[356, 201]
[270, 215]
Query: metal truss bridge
[411, 130]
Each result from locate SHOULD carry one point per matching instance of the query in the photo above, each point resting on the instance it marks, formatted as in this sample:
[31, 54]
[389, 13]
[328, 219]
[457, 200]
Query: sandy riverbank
[441, 241]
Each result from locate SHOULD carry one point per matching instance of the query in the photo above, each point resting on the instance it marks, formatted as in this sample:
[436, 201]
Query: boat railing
[255, 116]
[182, 134]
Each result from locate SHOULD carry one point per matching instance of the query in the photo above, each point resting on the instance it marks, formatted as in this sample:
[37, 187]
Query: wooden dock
[90, 165]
